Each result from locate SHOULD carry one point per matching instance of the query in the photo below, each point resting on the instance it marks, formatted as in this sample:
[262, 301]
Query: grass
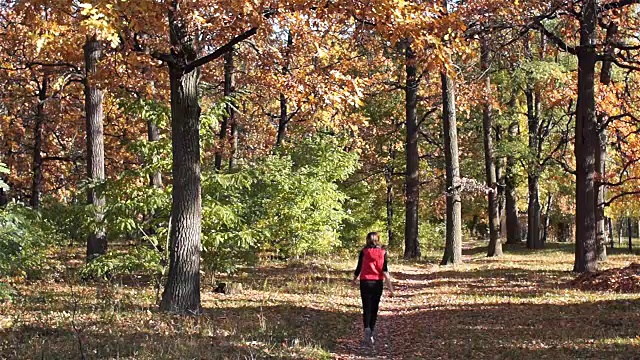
[517, 307]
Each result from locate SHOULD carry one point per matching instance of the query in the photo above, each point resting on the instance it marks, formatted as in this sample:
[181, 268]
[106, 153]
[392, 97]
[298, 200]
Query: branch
[220, 51]
[618, 5]
[555, 39]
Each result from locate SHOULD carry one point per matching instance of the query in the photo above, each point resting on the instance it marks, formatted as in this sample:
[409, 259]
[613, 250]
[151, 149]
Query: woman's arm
[387, 279]
[387, 276]
[359, 267]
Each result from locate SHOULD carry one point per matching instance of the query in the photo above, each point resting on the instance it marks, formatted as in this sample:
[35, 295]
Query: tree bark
[495, 245]
[453, 243]
[511, 206]
[40, 118]
[586, 143]
[97, 240]
[182, 291]
[412, 182]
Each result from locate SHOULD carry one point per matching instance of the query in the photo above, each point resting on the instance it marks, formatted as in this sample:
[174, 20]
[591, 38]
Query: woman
[372, 270]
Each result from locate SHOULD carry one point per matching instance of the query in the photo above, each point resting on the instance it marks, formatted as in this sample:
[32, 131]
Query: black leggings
[370, 292]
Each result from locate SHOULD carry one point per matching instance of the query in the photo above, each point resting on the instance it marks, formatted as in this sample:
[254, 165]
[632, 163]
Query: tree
[495, 245]
[97, 241]
[453, 244]
[412, 179]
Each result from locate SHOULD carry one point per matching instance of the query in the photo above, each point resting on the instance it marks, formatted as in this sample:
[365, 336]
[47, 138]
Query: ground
[520, 306]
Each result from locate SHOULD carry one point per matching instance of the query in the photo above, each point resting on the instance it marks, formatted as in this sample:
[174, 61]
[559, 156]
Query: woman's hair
[373, 239]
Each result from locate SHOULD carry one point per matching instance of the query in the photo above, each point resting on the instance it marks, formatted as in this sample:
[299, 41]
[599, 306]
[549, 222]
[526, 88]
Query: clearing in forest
[520, 306]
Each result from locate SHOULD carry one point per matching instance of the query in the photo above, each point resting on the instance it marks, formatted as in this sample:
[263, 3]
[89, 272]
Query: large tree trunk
[412, 183]
[93, 96]
[36, 183]
[153, 134]
[495, 245]
[182, 291]
[586, 259]
[511, 206]
[453, 244]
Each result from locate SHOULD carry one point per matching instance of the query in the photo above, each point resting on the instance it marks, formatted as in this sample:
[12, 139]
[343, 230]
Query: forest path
[515, 307]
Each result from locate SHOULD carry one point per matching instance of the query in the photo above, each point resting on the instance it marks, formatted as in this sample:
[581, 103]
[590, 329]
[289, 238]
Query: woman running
[372, 270]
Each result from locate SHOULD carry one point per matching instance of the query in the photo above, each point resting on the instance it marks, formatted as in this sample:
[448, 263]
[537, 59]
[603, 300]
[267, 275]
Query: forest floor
[520, 306]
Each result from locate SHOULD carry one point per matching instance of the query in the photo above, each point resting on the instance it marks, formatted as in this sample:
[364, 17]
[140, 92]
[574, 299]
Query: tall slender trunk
[495, 245]
[500, 179]
[610, 228]
[453, 242]
[586, 259]
[182, 291]
[153, 135]
[229, 89]
[388, 179]
[600, 165]
[283, 121]
[97, 240]
[228, 118]
[533, 173]
[511, 206]
[412, 183]
[545, 226]
[40, 118]
[630, 235]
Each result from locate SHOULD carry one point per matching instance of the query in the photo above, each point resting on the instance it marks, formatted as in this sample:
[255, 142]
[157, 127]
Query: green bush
[25, 239]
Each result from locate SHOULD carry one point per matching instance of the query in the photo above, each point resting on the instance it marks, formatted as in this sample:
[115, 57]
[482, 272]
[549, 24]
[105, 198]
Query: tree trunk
[412, 247]
[388, 178]
[153, 133]
[40, 118]
[229, 89]
[610, 230]
[284, 116]
[511, 206]
[545, 227]
[620, 232]
[282, 121]
[453, 243]
[586, 143]
[630, 234]
[228, 118]
[495, 245]
[600, 165]
[182, 291]
[533, 207]
[97, 240]
[500, 179]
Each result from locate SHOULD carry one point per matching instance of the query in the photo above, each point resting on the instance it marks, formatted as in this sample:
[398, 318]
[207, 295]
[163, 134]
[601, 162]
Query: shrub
[25, 239]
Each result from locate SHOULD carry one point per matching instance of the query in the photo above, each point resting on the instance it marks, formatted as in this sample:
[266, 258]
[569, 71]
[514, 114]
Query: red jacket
[372, 264]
